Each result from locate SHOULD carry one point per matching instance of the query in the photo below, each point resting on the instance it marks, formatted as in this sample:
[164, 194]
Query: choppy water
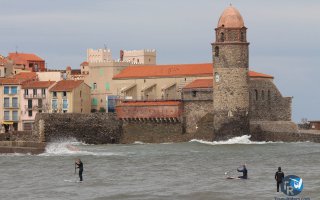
[193, 170]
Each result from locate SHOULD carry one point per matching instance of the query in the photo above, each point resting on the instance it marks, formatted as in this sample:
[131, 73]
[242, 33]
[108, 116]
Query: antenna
[16, 49]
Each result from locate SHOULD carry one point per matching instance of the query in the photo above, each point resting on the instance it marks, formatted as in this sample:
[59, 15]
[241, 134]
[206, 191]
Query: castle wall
[267, 103]
[96, 128]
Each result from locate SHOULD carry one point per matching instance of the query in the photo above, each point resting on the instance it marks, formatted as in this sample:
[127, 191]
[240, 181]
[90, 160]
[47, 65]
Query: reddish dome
[231, 18]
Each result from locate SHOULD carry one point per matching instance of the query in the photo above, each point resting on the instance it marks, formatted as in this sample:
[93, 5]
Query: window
[194, 93]
[15, 116]
[6, 90]
[54, 94]
[94, 102]
[14, 90]
[107, 86]
[222, 37]
[94, 85]
[39, 103]
[15, 102]
[43, 92]
[65, 104]
[242, 36]
[257, 94]
[30, 113]
[64, 94]
[262, 94]
[138, 60]
[6, 115]
[216, 51]
[26, 92]
[35, 91]
[29, 103]
[54, 104]
[6, 102]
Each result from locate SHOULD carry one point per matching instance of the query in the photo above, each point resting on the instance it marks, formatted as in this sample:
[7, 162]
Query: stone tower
[230, 54]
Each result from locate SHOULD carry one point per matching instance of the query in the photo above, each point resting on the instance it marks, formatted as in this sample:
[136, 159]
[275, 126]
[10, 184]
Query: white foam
[245, 139]
[68, 147]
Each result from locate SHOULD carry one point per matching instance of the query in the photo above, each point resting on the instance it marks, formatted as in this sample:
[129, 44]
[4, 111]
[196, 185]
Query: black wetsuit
[279, 176]
[80, 166]
[245, 173]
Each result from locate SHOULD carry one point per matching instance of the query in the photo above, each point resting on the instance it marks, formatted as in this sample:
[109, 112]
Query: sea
[194, 170]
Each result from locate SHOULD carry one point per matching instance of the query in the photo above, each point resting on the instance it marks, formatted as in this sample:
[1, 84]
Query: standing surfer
[79, 165]
[244, 171]
[279, 176]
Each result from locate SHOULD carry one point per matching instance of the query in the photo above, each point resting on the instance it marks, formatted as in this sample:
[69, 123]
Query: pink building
[34, 99]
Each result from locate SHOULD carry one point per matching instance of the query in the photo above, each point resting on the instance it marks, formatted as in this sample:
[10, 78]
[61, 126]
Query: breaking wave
[72, 147]
[245, 139]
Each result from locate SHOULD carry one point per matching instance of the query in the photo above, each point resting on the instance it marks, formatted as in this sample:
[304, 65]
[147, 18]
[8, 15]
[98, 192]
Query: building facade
[34, 99]
[27, 62]
[10, 108]
[70, 96]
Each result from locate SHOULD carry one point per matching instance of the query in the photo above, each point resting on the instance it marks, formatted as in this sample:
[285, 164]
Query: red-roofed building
[70, 96]
[27, 62]
[35, 99]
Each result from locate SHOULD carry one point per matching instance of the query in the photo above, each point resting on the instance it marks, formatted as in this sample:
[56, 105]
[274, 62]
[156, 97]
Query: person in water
[79, 165]
[279, 176]
[244, 171]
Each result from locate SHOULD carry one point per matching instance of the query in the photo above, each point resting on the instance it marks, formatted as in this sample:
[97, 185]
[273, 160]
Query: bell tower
[230, 53]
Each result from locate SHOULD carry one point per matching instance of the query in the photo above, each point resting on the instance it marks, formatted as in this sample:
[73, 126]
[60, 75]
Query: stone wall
[95, 128]
[267, 103]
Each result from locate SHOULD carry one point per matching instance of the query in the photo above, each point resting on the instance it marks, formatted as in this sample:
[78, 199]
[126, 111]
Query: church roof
[175, 70]
[231, 18]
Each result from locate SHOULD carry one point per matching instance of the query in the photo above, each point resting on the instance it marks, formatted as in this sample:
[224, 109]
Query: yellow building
[9, 104]
[70, 96]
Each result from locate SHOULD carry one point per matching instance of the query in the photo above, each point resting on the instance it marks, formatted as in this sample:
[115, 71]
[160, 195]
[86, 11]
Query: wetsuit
[245, 173]
[80, 166]
[279, 176]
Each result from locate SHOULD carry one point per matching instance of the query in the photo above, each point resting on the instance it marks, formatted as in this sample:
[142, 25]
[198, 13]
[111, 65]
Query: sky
[283, 35]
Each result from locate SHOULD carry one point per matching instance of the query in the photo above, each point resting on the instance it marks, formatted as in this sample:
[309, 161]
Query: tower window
[242, 37]
[216, 51]
[262, 95]
[222, 37]
[269, 95]
[257, 94]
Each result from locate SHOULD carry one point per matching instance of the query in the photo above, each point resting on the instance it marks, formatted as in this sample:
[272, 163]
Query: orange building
[27, 62]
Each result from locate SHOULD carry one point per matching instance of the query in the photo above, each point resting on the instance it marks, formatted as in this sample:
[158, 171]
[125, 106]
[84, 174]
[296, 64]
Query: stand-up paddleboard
[73, 181]
[229, 176]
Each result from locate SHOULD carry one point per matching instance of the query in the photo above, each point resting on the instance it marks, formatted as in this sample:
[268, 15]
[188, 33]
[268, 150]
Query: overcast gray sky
[283, 35]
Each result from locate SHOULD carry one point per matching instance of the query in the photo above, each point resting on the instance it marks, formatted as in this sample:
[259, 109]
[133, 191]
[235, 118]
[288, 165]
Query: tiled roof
[75, 71]
[150, 103]
[66, 85]
[165, 71]
[200, 83]
[24, 56]
[85, 63]
[254, 74]
[26, 76]
[9, 81]
[208, 83]
[38, 84]
[3, 61]
[179, 70]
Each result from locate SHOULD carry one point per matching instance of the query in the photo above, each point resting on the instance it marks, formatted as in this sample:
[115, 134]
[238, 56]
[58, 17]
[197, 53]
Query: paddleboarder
[78, 164]
[244, 171]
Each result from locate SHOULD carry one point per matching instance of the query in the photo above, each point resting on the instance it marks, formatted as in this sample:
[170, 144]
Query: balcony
[36, 96]
[12, 105]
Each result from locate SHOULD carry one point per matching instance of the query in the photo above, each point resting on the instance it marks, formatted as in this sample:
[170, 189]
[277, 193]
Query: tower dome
[231, 18]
